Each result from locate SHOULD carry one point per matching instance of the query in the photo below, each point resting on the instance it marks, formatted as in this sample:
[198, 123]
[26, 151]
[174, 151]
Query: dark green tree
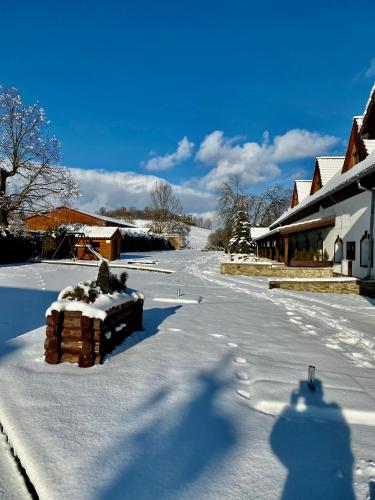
[241, 241]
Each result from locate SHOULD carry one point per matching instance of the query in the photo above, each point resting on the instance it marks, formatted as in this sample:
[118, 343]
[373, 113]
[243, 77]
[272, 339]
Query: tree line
[262, 209]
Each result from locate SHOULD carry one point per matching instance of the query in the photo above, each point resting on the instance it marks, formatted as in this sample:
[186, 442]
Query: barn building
[66, 215]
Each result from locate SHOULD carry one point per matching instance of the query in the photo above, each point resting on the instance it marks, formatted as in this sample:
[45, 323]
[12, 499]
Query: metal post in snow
[178, 293]
[311, 378]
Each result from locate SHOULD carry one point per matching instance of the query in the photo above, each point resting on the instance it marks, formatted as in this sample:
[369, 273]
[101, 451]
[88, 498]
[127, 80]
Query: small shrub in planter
[88, 320]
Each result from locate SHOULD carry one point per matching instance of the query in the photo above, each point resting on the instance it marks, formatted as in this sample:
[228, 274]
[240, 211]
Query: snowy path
[208, 402]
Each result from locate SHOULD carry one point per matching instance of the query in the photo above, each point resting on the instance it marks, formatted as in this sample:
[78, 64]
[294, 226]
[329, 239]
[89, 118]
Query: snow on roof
[338, 181]
[369, 145]
[368, 102]
[256, 232]
[303, 189]
[115, 222]
[359, 121]
[105, 232]
[135, 229]
[289, 226]
[329, 166]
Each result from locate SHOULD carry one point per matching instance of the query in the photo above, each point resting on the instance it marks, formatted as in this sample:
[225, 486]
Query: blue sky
[119, 80]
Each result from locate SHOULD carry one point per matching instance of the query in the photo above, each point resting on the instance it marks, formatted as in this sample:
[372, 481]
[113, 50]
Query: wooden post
[286, 249]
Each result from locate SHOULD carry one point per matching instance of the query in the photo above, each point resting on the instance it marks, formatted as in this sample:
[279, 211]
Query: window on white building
[365, 241]
[338, 250]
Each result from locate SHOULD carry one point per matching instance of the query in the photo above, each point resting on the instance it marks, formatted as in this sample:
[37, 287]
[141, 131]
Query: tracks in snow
[312, 316]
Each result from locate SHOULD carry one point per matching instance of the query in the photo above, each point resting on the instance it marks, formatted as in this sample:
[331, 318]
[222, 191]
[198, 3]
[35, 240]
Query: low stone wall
[74, 338]
[279, 270]
[318, 286]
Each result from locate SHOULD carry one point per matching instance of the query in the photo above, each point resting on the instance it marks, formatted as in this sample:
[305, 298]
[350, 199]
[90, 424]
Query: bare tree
[231, 198]
[266, 207]
[167, 212]
[30, 181]
[164, 202]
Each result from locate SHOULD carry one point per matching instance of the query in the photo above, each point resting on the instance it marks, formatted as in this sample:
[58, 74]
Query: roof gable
[355, 151]
[329, 166]
[316, 183]
[300, 191]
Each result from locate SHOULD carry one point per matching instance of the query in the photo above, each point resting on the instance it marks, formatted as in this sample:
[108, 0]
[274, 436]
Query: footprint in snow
[243, 394]
[232, 344]
[240, 361]
[242, 376]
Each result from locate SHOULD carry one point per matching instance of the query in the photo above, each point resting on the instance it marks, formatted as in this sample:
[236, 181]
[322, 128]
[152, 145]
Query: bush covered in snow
[144, 242]
[176, 225]
[17, 246]
[105, 283]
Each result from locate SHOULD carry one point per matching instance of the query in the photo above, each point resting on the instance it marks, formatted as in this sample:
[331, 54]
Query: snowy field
[209, 402]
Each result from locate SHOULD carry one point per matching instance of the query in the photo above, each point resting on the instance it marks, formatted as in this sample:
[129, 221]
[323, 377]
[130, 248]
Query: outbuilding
[105, 241]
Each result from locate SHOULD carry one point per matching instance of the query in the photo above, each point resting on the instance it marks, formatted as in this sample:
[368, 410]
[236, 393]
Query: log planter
[310, 263]
[75, 338]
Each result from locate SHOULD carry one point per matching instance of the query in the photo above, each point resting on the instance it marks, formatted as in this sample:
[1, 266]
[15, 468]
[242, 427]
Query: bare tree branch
[30, 180]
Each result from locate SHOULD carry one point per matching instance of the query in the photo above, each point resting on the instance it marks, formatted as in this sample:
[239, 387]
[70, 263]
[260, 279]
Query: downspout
[371, 229]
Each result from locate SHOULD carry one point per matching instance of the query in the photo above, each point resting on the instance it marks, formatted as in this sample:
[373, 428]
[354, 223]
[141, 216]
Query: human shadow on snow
[179, 445]
[314, 445]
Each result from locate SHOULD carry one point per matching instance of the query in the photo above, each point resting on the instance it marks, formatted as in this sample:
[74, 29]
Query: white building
[335, 220]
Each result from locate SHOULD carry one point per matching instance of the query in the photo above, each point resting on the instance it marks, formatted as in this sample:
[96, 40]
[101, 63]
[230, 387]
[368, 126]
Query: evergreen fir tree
[241, 241]
[103, 281]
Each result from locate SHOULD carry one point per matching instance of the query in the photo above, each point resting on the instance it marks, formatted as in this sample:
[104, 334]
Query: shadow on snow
[21, 310]
[178, 446]
[315, 451]
[152, 319]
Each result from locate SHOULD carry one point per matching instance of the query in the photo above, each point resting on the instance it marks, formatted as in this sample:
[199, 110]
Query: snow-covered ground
[209, 402]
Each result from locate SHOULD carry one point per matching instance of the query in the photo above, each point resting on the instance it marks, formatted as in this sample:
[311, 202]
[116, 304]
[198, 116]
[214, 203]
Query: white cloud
[297, 144]
[183, 152]
[370, 71]
[256, 162]
[115, 189]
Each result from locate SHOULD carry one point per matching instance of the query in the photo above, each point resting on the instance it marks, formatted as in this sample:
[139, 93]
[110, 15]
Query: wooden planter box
[310, 263]
[75, 338]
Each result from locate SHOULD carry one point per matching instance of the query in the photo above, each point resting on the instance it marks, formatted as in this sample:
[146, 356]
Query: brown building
[104, 240]
[66, 215]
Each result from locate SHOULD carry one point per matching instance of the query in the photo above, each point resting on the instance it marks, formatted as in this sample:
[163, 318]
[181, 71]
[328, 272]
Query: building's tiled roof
[338, 181]
[303, 189]
[329, 166]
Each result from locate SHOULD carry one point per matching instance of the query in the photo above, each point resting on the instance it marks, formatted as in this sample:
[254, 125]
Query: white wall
[352, 220]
